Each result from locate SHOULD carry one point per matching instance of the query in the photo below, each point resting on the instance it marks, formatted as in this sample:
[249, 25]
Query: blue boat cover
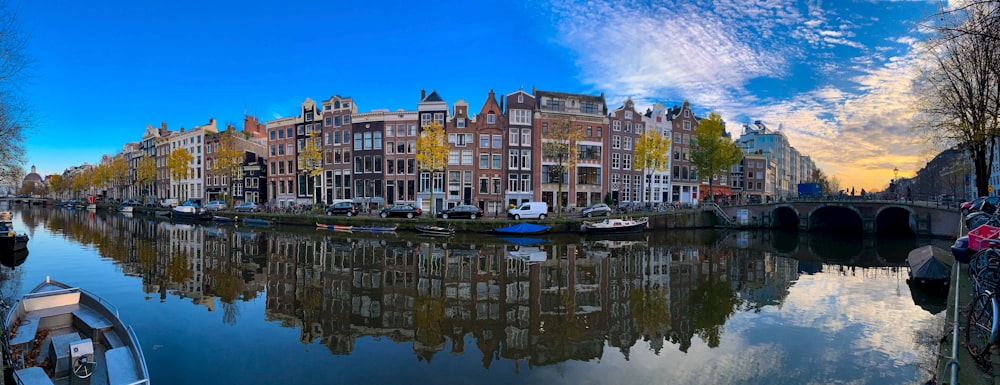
[523, 228]
[521, 241]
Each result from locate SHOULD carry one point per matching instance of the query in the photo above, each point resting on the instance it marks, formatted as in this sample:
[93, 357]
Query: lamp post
[895, 179]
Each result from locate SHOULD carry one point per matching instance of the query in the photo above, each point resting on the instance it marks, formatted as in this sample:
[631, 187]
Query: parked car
[215, 205]
[462, 211]
[344, 208]
[595, 210]
[529, 210]
[966, 207]
[400, 211]
[249, 207]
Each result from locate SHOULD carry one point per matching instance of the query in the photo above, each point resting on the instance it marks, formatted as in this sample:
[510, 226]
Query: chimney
[501, 103]
[423, 94]
[163, 126]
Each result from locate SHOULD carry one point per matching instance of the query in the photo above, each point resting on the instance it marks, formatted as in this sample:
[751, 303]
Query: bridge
[861, 216]
[29, 200]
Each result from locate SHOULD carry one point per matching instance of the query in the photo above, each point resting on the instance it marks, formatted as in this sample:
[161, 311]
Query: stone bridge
[869, 217]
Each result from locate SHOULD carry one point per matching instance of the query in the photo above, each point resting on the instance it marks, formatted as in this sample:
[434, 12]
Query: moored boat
[523, 228]
[10, 240]
[930, 269]
[257, 221]
[191, 213]
[374, 228]
[615, 225]
[76, 335]
[125, 208]
[324, 226]
[434, 230]
[219, 218]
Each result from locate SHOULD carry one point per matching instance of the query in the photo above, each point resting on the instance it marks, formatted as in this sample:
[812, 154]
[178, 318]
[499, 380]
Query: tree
[229, 162]
[560, 145]
[713, 153]
[177, 163]
[145, 173]
[432, 153]
[118, 175]
[311, 160]
[652, 153]
[960, 91]
[57, 185]
[14, 115]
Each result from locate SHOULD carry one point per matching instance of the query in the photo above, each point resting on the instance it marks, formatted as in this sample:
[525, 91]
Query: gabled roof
[432, 97]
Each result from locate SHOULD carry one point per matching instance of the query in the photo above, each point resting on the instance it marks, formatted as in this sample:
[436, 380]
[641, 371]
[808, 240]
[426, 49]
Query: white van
[529, 210]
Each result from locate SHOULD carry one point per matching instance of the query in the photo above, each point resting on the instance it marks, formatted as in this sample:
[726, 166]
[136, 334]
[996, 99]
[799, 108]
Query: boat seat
[26, 331]
[33, 375]
[121, 366]
[59, 352]
[92, 319]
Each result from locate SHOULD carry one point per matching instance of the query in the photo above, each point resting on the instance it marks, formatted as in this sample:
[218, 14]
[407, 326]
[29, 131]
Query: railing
[718, 212]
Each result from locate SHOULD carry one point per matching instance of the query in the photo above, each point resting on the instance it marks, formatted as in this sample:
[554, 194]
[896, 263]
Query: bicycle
[982, 323]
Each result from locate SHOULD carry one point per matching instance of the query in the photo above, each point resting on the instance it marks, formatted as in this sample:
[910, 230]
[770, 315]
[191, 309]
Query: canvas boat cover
[929, 262]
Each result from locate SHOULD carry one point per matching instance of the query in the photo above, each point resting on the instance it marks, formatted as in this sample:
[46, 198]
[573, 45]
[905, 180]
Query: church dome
[33, 177]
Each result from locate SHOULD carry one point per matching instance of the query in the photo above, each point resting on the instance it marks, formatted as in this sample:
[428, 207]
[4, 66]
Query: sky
[834, 76]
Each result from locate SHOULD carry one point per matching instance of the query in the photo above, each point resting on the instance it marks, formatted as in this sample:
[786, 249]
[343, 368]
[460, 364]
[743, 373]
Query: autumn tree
[432, 153]
[228, 162]
[57, 185]
[178, 163]
[960, 93]
[311, 160]
[652, 154]
[712, 152]
[145, 173]
[118, 175]
[14, 115]
[559, 145]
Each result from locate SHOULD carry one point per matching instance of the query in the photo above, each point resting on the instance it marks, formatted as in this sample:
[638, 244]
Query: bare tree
[962, 87]
[14, 114]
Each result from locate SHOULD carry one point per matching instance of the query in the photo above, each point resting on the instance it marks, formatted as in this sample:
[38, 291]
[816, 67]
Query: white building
[191, 187]
[659, 181]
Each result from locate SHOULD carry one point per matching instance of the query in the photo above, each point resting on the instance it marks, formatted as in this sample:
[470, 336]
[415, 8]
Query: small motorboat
[930, 269]
[219, 218]
[375, 229]
[14, 259]
[189, 212]
[615, 225]
[523, 228]
[434, 230]
[10, 240]
[125, 209]
[257, 221]
[62, 334]
[323, 226]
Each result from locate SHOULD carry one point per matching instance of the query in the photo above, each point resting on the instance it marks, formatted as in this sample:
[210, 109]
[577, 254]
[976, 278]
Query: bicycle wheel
[981, 328]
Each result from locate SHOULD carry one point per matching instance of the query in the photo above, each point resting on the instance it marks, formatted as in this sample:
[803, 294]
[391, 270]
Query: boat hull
[434, 230]
[613, 226]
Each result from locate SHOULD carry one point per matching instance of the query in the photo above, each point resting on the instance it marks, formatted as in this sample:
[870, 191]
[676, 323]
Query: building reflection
[537, 302]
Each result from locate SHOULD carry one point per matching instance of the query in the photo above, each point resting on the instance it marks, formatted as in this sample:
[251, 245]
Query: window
[273, 134]
[520, 98]
[497, 162]
[514, 137]
[496, 186]
[484, 161]
[525, 182]
[628, 142]
[390, 167]
[588, 175]
[412, 128]
[377, 140]
[627, 164]
[589, 108]
[616, 125]
[545, 128]
[453, 157]
[491, 118]
[390, 147]
[301, 129]
[520, 117]
[388, 131]
[616, 142]
[328, 138]
[400, 130]
[599, 130]
[368, 140]
[401, 147]
[525, 159]
[512, 182]
[586, 152]
[484, 141]
[484, 185]
[425, 120]
[628, 115]
[357, 141]
[358, 164]
[273, 150]
[439, 118]
[460, 123]
[466, 158]
[512, 159]
[526, 137]
[687, 123]
[497, 141]
[590, 131]
[377, 160]
[347, 119]
[616, 160]
[628, 126]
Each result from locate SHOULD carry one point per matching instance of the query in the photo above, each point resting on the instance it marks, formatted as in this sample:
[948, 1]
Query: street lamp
[895, 179]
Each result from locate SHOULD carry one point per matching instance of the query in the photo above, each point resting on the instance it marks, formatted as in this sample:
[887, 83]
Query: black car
[462, 211]
[345, 208]
[405, 211]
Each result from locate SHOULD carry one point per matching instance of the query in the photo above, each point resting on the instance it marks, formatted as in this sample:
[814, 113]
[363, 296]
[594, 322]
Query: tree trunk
[431, 186]
[979, 154]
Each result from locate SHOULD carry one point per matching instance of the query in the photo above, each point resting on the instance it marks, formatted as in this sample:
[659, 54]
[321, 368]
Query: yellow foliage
[178, 162]
[228, 159]
[145, 173]
[432, 148]
[310, 158]
[652, 151]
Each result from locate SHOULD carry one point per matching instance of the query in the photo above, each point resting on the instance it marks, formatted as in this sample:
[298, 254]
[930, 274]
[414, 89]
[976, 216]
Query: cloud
[844, 96]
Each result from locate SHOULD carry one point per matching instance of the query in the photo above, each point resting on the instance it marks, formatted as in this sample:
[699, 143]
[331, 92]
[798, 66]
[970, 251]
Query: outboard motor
[81, 354]
[960, 250]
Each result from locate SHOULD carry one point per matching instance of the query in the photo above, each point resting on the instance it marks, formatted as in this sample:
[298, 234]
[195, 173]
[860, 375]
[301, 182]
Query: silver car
[595, 210]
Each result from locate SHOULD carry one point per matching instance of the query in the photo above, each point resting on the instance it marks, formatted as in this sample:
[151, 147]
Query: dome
[33, 176]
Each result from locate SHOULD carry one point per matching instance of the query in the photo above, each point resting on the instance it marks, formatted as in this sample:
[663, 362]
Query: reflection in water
[537, 301]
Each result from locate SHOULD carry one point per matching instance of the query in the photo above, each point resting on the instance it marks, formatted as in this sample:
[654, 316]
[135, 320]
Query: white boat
[615, 225]
[125, 208]
[61, 334]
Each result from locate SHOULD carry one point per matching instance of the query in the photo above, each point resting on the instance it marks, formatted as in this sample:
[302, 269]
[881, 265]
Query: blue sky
[833, 75]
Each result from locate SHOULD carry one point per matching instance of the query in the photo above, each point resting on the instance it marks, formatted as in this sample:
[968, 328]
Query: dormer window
[520, 98]
[309, 116]
[491, 118]
[460, 123]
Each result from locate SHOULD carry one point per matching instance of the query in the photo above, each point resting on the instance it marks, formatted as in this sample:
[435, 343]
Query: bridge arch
[784, 216]
[896, 220]
[838, 218]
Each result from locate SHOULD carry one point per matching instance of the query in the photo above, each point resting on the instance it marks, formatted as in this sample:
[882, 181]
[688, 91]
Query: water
[253, 305]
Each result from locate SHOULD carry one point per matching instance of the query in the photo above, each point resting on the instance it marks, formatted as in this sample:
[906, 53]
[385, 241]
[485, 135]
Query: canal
[293, 305]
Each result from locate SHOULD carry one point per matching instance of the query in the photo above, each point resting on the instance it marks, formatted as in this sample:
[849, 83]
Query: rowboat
[77, 335]
[615, 225]
[323, 226]
[523, 228]
[434, 230]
